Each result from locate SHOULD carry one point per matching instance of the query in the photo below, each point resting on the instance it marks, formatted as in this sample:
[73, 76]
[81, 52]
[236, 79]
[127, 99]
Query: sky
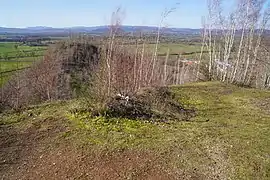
[70, 13]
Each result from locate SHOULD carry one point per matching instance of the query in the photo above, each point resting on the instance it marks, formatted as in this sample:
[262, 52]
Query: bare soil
[37, 152]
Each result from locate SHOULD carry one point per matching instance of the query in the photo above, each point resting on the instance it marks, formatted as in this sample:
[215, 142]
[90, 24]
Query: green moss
[114, 133]
[36, 113]
[235, 119]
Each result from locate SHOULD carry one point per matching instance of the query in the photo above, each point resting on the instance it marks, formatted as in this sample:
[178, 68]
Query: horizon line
[82, 26]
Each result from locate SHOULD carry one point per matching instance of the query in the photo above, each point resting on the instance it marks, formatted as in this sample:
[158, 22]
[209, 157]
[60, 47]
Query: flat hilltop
[228, 138]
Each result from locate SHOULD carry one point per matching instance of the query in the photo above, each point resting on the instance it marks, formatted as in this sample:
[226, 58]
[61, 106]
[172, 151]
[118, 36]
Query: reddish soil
[38, 153]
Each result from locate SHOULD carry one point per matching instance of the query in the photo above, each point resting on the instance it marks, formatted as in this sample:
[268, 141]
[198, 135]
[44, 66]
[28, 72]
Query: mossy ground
[228, 139]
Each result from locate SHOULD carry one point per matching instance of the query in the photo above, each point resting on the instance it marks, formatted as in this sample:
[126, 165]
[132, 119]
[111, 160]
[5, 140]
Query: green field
[11, 48]
[178, 48]
[175, 49]
[14, 56]
[9, 68]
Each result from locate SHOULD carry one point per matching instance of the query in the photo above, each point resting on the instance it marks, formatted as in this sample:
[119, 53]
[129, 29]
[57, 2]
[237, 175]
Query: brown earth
[37, 152]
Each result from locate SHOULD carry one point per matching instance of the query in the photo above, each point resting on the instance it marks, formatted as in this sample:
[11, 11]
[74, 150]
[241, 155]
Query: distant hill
[94, 30]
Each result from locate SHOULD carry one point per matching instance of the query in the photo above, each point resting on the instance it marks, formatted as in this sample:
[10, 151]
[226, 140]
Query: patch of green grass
[8, 50]
[7, 47]
[234, 119]
[12, 118]
[4, 79]
[178, 48]
[175, 48]
[115, 133]
[13, 65]
[27, 59]
[34, 114]
[7, 69]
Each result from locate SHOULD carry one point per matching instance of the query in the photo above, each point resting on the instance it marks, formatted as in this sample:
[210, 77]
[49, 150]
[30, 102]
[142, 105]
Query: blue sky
[67, 13]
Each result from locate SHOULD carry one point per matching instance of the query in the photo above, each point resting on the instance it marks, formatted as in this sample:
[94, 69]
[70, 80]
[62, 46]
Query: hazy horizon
[103, 25]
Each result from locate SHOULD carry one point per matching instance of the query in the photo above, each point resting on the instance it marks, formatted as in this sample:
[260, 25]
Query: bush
[125, 107]
[66, 71]
[155, 104]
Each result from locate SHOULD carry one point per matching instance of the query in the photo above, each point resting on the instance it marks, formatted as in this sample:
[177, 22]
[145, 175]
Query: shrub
[65, 72]
[155, 104]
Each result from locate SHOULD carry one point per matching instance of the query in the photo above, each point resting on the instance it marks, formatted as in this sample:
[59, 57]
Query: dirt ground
[37, 153]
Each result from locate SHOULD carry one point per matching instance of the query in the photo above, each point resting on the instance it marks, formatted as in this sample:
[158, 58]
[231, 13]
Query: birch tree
[239, 38]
